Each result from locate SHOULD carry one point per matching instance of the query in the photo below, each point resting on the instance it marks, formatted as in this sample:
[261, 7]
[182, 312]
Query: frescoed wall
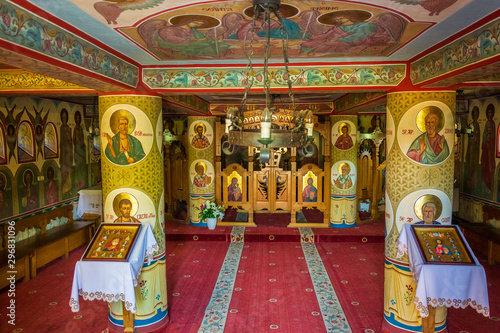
[44, 155]
[478, 164]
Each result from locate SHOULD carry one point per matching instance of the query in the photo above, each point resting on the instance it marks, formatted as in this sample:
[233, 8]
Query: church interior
[249, 166]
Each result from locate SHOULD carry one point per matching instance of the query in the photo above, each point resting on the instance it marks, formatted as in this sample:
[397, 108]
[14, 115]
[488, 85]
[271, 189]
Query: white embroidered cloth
[113, 281]
[90, 201]
[444, 285]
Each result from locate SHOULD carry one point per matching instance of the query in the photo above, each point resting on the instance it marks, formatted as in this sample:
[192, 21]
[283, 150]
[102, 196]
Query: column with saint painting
[343, 209]
[201, 154]
[419, 189]
[132, 172]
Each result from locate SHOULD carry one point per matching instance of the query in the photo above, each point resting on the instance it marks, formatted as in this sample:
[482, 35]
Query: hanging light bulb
[309, 120]
[265, 125]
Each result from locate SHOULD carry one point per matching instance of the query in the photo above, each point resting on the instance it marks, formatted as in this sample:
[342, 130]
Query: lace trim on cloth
[456, 303]
[402, 249]
[149, 253]
[148, 257]
[102, 296]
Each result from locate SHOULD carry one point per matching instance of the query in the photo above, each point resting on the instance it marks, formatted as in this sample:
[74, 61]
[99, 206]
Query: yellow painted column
[201, 155]
[132, 169]
[343, 172]
[415, 174]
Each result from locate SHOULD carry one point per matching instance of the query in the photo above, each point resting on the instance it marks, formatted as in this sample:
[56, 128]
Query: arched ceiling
[147, 45]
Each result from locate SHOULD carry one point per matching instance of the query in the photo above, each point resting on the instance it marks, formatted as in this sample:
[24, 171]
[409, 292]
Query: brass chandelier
[298, 131]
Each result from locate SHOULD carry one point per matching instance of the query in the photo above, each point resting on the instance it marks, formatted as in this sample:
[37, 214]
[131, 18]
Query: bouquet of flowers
[211, 210]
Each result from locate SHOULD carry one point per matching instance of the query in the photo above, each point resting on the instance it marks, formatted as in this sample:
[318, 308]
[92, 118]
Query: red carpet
[273, 290]
[355, 270]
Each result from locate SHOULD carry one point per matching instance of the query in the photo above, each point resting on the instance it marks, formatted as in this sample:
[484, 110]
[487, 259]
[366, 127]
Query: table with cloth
[90, 201]
[113, 281]
[456, 285]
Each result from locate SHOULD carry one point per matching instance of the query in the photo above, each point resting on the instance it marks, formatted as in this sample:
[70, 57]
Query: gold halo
[348, 128]
[236, 175]
[124, 195]
[208, 21]
[306, 177]
[425, 199]
[424, 112]
[327, 18]
[286, 11]
[202, 126]
[202, 164]
[113, 120]
[348, 168]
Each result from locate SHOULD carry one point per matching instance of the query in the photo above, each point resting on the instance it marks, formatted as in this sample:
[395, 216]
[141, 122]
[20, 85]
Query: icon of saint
[430, 147]
[344, 141]
[123, 148]
[200, 141]
[310, 193]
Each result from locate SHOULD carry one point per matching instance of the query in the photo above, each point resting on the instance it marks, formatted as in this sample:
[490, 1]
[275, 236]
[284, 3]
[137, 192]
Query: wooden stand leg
[128, 320]
[428, 322]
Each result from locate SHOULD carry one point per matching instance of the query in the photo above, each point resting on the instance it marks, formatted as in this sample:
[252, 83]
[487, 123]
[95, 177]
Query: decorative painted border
[350, 101]
[319, 107]
[342, 76]
[188, 101]
[479, 45]
[25, 29]
[12, 79]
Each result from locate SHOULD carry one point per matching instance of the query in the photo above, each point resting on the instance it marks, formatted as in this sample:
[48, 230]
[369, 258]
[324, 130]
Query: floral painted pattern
[301, 77]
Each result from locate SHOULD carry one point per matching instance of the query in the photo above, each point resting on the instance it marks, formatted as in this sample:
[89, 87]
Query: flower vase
[211, 223]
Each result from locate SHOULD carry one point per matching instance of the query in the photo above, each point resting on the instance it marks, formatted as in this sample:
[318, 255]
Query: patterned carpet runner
[216, 312]
[218, 308]
[331, 310]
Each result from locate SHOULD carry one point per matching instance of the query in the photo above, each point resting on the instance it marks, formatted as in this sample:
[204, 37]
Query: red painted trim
[37, 11]
[474, 26]
[273, 65]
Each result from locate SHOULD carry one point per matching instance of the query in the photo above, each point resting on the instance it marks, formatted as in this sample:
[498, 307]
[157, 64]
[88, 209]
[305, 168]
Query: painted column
[201, 154]
[132, 172]
[343, 209]
[417, 171]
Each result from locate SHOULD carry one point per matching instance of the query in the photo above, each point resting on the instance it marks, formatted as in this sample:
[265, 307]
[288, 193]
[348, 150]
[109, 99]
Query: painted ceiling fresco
[221, 30]
[175, 30]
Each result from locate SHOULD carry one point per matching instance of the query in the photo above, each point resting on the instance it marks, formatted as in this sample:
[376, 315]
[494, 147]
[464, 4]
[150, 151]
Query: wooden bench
[482, 238]
[37, 251]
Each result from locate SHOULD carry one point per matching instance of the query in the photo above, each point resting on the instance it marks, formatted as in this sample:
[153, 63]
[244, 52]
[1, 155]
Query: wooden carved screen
[272, 189]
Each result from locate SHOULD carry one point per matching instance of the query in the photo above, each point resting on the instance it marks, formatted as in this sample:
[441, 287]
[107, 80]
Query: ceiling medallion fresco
[217, 30]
